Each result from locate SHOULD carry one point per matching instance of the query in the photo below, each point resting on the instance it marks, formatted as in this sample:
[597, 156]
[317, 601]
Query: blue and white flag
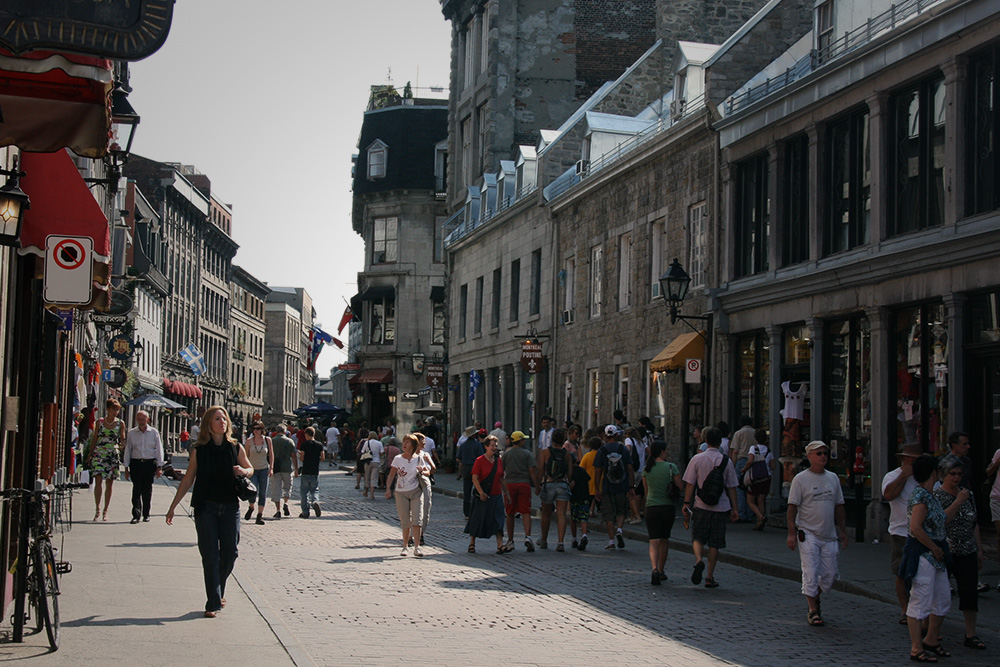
[194, 358]
[474, 380]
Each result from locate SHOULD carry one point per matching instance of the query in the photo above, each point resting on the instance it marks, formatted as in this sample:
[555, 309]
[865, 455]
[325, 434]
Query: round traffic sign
[693, 365]
[69, 254]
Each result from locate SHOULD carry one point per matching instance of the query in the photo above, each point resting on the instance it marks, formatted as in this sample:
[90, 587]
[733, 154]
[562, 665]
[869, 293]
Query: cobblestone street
[337, 589]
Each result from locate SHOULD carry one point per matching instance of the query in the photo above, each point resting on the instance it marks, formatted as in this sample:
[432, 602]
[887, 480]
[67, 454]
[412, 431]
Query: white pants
[819, 564]
[930, 592]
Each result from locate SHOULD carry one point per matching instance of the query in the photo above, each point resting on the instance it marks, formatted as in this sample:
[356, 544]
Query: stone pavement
[334, 591]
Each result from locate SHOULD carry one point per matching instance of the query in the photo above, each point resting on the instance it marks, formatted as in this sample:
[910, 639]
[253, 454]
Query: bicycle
[40, 582]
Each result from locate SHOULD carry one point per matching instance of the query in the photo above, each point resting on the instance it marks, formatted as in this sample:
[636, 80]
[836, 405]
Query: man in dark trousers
[143, 464]
[468, 451]
[310, 455]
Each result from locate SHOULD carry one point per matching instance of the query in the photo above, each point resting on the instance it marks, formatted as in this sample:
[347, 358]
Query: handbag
[366, 453]
[245, 489]
[758, 471]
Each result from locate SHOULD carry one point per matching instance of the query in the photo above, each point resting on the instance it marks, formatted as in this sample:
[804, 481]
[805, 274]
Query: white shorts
[995, 508]
[819, 561]
[929, 593]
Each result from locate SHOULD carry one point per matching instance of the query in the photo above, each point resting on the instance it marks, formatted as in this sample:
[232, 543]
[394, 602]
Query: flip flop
[923, 656]
[937, 650]
[974, 642]
[472, 548]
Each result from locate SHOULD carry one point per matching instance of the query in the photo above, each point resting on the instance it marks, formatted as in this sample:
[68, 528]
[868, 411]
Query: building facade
[247, 334]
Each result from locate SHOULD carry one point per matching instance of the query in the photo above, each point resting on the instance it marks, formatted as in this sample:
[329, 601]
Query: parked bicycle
[39, 586]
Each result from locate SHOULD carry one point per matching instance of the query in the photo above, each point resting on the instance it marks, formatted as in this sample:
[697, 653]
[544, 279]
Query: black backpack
[557, 465]
[714, 485]
[615, 470]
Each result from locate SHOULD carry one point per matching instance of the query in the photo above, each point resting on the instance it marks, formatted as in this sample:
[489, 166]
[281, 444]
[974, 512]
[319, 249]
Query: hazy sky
[267, 99]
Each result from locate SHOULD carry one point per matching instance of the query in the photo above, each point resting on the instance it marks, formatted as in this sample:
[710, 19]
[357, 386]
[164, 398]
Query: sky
[267, 100]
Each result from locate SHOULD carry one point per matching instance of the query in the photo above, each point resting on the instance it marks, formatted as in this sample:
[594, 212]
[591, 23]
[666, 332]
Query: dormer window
[378, 153]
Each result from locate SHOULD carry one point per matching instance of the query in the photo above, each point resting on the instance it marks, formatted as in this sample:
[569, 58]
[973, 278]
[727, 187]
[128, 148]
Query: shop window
[921, 392]
[795, 193]
[795, 379]
[848, 393]
[848, 184]
[384, 239]
[917, 158]
[983, 181]
[754, 365]
[753, 210]
[984, 312]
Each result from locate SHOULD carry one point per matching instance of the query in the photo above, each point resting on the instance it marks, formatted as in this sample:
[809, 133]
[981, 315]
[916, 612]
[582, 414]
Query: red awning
[61, 204]
[372, 376]
[53, 100]
[181, 388]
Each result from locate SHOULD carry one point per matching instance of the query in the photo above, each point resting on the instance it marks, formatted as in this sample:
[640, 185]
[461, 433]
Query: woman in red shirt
[486, 515]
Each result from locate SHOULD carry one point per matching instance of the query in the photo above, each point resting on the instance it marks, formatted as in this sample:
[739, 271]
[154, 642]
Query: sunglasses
[257, 428]
[823, 453]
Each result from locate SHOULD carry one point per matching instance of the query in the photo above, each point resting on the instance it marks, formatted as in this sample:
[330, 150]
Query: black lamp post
[124, 121]
[13, 202]
[674, 284]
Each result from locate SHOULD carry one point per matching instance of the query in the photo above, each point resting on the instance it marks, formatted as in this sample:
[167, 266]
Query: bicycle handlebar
[19, 493]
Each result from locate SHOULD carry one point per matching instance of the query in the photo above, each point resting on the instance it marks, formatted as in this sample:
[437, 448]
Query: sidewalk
[864, 567]
[136, 594]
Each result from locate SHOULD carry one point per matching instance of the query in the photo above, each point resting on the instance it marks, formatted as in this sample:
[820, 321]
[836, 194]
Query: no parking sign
[68, 269]
[692, 371]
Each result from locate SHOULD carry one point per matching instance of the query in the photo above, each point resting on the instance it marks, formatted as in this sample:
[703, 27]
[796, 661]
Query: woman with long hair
[658, 476]
[105, 455]
[261, 456]
[217, 459]
[405, 471]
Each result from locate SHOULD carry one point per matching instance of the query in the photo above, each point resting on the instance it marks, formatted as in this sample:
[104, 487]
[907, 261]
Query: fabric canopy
[372, 376]
[54, 100]
[181, 388]
[686, 346]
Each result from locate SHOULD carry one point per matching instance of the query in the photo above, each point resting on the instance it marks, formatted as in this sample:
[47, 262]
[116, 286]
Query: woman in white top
[405, 469]
[427, 469]
[261, 457]
[636, 499]
[757, 491]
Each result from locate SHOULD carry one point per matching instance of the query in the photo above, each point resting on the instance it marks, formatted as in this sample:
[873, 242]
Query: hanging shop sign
[532, 359]
[435, 375]
[121, 347]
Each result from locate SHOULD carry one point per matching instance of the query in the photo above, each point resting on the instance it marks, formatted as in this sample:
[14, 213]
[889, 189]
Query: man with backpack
[553, 487]
[711, 487]
[613, 477]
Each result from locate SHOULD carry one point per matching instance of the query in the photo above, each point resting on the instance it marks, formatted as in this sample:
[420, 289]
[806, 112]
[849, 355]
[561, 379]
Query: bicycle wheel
[47, 585]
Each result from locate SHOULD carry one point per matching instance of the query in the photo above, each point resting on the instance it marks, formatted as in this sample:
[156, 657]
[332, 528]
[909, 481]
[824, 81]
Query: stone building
[858, 292]
[298, 298]
[398, 211]
[247, 331]
[282, 359]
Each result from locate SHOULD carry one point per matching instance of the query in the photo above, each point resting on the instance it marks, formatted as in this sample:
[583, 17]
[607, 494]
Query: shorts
[555, 491]
[930, 592]
[896, 543]
[819, 561]
[709, 528]
[519, 498]
[281, 486]
[580, 510]
[995, 508]
[660, 521]
[614, 505]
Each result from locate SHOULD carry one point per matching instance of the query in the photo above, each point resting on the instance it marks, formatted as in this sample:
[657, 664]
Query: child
[579, 505]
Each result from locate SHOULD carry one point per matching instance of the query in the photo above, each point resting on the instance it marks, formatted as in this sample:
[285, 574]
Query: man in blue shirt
[468, 451]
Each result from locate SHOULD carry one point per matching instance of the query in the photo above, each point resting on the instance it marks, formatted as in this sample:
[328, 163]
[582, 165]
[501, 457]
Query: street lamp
[124, 120]
[674, 284]
[13, 202]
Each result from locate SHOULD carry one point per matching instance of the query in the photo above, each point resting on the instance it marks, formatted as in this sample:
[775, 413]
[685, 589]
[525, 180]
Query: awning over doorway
[181, 388]
[372, 376]
[686, 346]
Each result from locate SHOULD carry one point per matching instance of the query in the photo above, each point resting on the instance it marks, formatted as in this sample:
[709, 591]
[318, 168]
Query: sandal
[937, 650]
[815, 619]
[711, 583]
[104, 517]
[505, 549]
[97, 514]
[923, 656]
[974, 642]
[472, 548]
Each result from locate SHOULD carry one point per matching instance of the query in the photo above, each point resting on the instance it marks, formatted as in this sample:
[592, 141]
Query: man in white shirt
[332, 442]
[816, 523]
[897, 485]
[500, 435]
[375, 466]
[544, 436]
[143, 463]
[430, 446]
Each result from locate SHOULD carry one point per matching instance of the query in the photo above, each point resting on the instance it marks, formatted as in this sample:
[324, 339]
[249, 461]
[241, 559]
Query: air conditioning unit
[568, 316]
[582, 167]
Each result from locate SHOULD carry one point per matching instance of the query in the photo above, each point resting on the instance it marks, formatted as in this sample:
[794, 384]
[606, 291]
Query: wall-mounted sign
[121, 29]
[435, 375]
[69, 262]
[532, 359]
[121, 347]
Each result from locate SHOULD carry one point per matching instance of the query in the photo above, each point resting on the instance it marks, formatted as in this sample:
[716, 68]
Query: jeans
[259, 478]
[142, 472]
[741, 496]
[218, 527]
[309, 492]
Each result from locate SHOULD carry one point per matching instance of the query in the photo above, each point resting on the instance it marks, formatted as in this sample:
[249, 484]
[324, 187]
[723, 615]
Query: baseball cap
[496, 425]
[611, 430]
[481, 431]
[816, 444]
[517, 436]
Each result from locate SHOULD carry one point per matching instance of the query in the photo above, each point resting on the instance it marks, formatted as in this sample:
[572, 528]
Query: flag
[474, 380]
[338, 343]
[194, 358]
[318, 338]
[345, 320]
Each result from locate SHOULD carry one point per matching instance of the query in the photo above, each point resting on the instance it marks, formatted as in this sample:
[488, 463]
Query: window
[621, 395]
[484, 43]
[483, 141]
[467, 166]
[847, 399]
[439, 238]
[536, 283]
[469, 51]
[753, 209]
[596, 261]
[383, 322]
[916, 156]
[824, 25]
[658, 254]
[921, 392]
[569, 278]
[440, 166]
[795, 194]
[463, 309]
[497, 285]
[983, 181]
[849, 184]
[754, 363]
[477, 322]
[377, 154]
[515, 289]
[625, 271]
[594, 397]
[698, 234]
[384, 240]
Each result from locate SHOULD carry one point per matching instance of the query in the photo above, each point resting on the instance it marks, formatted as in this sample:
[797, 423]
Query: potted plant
[448, 464]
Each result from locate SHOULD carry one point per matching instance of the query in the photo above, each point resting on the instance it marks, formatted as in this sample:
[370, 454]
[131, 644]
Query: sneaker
[634, 522]
[260, 520]
[560, 548]
[404, 552]
[620, 539]
[983, 588]
[654, 579]
[277, 515]
[611, 546]
[528, 544]
[583, 543]
[417, 551]
[316, 509]
[575, 545]
[246, 517]
[542, 544]
[287, 513]
[303, 515]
